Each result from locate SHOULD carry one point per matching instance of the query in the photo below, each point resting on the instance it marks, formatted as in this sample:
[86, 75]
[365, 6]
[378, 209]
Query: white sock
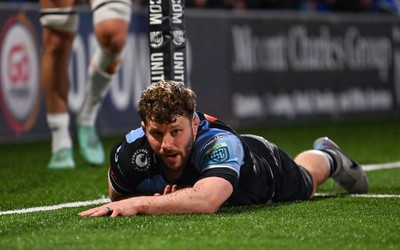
[59, 126]
[98, 86]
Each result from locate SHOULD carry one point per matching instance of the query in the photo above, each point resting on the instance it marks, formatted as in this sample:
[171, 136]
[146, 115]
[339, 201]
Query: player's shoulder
[133, 135]
[133, 152]
[216, 138]
[218, 148]
[134, 140]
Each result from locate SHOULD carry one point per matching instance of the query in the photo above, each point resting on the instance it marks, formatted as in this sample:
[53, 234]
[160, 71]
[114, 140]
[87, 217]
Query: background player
[59, 19]
[199, 163]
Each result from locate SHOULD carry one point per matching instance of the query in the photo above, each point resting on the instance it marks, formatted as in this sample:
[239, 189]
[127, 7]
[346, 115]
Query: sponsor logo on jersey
[213, 140]
[219, 153]
[141, 160]
[117, 154]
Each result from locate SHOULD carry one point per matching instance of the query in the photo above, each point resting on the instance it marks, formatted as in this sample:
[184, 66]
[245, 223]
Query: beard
[176, 159]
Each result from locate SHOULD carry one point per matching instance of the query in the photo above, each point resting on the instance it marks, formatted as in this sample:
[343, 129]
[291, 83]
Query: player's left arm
[206, 196]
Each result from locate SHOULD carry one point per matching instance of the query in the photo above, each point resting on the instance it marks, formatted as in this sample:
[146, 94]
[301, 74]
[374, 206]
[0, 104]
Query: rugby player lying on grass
[181, 162]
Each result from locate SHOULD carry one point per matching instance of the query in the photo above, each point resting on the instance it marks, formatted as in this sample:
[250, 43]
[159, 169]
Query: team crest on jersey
[141, 160]
[219, 153]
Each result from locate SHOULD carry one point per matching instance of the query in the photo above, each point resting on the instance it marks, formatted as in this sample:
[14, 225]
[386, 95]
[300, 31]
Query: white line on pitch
[360, 195]
[55, 207]
[371, 167]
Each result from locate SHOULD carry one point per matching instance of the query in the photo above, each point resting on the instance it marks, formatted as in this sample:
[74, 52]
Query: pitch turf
[323, 223]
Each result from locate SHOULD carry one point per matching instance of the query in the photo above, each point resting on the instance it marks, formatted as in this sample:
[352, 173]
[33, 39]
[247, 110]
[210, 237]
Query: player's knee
[316, 164]
[106, 16]
[110, 39]
[106, 10]
[64, 19]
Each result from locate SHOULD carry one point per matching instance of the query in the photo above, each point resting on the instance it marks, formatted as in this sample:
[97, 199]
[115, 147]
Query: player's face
[173, 142]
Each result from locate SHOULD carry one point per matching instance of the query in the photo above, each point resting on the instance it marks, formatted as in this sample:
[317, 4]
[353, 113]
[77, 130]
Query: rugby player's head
[162, 102]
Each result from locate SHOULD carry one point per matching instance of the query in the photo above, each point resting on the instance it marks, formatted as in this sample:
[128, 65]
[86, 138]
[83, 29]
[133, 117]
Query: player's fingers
[102, 211]
[83, 213]
[114, 213]
[174, 188]
[167, 189]
[88, 212]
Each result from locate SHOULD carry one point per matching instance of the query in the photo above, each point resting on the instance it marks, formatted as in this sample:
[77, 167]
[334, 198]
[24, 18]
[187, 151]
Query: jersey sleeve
[220, 155]
[130, 162]
[115, 173]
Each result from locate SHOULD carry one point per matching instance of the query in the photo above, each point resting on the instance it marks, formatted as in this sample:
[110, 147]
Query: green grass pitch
[322, 223]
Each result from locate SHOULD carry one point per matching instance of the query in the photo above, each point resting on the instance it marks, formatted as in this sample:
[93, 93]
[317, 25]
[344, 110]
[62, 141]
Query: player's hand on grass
[123, 207]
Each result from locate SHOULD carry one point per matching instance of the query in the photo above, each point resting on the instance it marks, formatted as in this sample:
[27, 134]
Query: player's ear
[143, 126]
[195, 124]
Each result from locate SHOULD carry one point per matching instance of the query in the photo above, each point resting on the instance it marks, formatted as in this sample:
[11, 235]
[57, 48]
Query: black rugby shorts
[291, 181]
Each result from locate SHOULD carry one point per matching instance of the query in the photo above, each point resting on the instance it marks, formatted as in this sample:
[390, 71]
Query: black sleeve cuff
[223, 173]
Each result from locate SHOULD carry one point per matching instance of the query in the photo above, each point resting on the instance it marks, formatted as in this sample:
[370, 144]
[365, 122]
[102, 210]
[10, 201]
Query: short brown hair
[163, 101]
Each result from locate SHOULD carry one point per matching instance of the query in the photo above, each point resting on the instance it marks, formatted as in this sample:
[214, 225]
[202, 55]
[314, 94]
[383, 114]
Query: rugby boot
[348, 174]
[90, 145]
[62, 159]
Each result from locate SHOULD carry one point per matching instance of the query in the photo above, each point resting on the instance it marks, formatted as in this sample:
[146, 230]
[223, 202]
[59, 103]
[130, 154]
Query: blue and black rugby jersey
[218, 151]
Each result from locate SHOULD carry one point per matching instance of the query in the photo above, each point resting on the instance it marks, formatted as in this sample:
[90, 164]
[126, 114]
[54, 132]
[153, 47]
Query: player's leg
[111, 22]
[328, 160]
[345, 171]
[59, 22]
[317, 164]
[291, 181]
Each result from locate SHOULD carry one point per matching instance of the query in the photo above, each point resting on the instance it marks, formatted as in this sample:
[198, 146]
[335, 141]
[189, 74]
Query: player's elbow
[211, 209]
[210, 206]
[114, 196]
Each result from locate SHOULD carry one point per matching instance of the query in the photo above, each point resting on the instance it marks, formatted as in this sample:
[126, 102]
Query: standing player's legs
[111, 23]
[59, 21]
